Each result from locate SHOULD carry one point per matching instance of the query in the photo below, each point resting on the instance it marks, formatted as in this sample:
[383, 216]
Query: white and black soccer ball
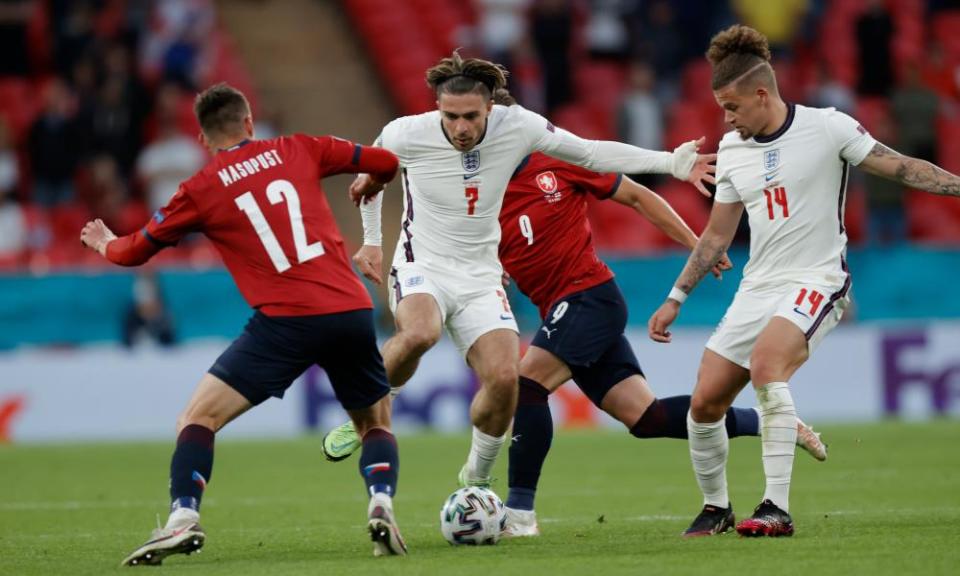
[472, 516]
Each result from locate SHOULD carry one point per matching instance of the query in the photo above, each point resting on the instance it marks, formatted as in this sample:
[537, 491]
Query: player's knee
[531, 392]
[419, 341]
[704, 411]
[188, 418]
[503, 379]
[765, 367]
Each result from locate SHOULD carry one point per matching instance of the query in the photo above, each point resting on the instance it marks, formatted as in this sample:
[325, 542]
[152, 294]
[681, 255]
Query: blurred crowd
[96, 116]
[634, 70]
[96, 95]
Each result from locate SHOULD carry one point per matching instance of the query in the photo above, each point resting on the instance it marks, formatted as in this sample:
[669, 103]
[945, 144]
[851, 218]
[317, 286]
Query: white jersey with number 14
[793, 186]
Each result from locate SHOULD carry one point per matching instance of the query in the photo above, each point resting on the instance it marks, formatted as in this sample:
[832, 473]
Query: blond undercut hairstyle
[220, 110]
[740, 54]
[456, 75]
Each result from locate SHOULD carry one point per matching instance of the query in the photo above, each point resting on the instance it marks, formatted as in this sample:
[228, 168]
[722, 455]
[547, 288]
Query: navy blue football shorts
[273, 351]
[585, 330]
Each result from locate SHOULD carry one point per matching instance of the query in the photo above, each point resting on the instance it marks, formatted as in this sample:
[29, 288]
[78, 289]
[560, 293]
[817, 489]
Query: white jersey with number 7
[452, 199]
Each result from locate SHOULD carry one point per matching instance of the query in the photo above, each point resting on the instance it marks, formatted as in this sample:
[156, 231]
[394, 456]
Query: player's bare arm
[658, 211]
[913, 172]
[724, 219]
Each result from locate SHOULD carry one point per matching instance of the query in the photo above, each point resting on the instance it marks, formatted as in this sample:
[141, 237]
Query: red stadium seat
[872, 112]
[18, 105]
[695, 82]
[933, 219]
[855, 217]
[691, 120]
[945, 28]
[687, 201]
[618, 229]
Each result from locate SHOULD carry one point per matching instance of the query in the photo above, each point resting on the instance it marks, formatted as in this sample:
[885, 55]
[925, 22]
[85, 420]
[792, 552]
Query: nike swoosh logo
[338, 447]
[174, 535]
[797, 310]
[506, 317]
[769, 177]
[469, 176]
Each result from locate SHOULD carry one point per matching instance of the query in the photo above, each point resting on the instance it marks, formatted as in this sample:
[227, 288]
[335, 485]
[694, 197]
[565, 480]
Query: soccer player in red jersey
[261, 204]
[546, 247]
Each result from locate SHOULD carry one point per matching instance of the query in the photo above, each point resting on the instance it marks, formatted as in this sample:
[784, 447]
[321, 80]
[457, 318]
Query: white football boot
[383, 527]
[810, 441]
[520, 523]
[181, 535]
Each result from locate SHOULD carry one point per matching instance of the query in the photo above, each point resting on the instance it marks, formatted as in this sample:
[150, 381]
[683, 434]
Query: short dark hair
[737, 51]
[220, 109]
[454, 75]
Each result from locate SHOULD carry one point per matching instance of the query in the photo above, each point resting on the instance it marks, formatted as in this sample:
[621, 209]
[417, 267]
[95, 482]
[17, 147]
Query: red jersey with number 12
[546, 244]
[262, 206]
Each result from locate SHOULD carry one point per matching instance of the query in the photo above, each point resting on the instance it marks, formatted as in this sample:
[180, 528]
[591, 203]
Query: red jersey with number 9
[262, 206]
[546, 244]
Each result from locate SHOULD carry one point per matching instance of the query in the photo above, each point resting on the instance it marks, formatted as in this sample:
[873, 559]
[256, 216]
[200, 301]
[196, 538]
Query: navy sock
[532, 436]
[191, 466]
[742, 422]
[380, 462]
[667, 418]
[664, 418]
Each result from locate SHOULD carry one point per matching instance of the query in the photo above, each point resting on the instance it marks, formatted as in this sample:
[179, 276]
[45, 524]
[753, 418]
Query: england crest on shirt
[471, 161]
[771, 159]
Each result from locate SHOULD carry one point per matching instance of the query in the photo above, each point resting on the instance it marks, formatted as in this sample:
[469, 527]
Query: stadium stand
[403, 38]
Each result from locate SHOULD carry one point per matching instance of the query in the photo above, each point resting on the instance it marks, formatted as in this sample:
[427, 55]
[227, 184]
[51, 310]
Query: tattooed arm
[724, 219]
[911, 172]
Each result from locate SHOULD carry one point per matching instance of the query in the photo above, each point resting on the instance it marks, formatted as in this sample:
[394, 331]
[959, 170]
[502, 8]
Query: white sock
[483, 454]
[709, 446]
[778, 432]
[182, 517]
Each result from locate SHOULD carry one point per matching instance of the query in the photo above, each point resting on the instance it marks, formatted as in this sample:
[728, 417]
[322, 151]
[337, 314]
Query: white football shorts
[468, 308]
[813, 307]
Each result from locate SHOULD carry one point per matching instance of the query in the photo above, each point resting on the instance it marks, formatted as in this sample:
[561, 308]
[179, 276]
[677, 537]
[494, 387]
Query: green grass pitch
[886, 502]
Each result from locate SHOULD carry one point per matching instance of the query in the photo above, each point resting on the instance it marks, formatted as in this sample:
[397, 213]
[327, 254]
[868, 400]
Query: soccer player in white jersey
[787, 166]
[455, 165]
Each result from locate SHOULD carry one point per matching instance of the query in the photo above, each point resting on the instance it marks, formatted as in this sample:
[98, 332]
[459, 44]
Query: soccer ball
[472, 516]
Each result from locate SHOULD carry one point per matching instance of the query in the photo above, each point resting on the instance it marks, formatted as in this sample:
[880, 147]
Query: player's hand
[723, 264]
[661, 320]
[95, 235]
[363, 188]
[369, 259]
[505, 280]
[696, 168]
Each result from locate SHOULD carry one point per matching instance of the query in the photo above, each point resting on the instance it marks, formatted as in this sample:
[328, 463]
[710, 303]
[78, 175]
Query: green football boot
[464, 481]
[340, 442]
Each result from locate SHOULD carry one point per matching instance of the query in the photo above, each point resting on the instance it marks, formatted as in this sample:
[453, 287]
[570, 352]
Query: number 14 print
[812, 297]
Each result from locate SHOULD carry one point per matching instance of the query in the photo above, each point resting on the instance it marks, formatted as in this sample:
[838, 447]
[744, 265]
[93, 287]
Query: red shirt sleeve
[600, 185]
[174, 221]
[167, 226]
[337, 156]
